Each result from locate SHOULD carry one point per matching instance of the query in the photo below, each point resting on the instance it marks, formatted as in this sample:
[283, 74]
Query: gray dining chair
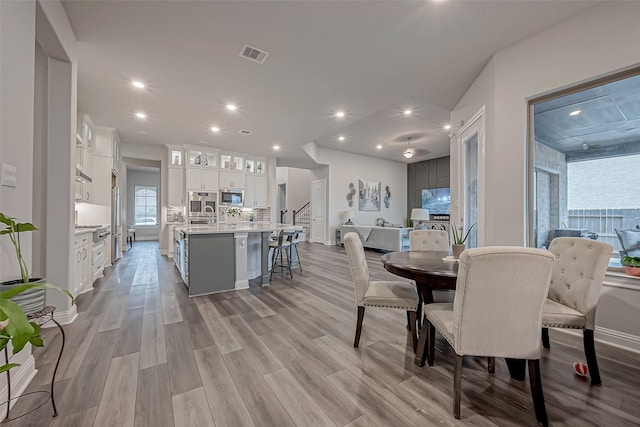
[384, 293]
[578, 273]
[497, 312]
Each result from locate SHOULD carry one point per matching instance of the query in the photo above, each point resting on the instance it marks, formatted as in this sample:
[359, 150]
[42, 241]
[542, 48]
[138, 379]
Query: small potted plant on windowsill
[459, 239]
[631, 265]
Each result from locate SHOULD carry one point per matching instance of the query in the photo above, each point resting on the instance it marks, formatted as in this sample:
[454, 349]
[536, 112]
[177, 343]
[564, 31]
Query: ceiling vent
[245, 132]
[254, 54]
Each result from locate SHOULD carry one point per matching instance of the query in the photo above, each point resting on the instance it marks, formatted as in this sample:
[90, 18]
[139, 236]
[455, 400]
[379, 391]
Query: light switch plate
[8, 175]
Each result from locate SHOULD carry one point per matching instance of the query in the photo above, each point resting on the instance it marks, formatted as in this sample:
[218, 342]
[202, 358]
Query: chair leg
[421, 354]
[273, 264]
[414, 336]
[298, 258]
[457, 386]
[419, 310]
[432, 343]
[491, 365]
[356, 341]
[590, 353]
[545, 338]
[536, 392]
[286, 253]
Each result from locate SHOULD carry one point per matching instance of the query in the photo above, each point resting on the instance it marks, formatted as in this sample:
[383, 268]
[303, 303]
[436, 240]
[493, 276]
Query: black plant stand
[40, 316]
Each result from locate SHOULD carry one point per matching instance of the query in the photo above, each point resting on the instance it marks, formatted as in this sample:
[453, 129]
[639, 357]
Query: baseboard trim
[63, 317]
[610, 337]
[242, 284]
[20, 379]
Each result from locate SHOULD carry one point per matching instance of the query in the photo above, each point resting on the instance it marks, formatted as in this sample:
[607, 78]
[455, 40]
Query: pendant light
[408, 152]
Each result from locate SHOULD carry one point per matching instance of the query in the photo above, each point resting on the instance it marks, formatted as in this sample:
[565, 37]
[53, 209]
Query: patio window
[146, 206]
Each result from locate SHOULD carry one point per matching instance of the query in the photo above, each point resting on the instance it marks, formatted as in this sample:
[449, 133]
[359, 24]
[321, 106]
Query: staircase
[302, 217]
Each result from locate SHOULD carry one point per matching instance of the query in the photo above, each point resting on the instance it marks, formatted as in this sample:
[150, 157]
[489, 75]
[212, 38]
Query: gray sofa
[381, 238]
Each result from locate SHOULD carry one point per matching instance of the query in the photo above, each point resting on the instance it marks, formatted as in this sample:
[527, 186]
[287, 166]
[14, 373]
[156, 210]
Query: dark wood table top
[425, 267]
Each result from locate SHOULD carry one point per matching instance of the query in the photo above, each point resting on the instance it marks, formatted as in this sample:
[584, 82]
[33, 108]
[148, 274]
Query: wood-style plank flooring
[143, 353]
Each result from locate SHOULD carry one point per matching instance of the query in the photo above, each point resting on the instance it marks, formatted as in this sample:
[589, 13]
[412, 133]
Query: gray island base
[224, 258]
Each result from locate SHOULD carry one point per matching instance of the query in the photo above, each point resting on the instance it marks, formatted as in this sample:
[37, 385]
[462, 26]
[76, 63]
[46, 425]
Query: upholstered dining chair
[497, 312]
[388, 294]
[428, 240]
[574, 291]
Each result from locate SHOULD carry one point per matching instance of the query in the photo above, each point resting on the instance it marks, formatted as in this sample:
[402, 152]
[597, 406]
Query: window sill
[616, 278]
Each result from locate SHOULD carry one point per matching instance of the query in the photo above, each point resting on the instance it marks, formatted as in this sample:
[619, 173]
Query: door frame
[476, 124]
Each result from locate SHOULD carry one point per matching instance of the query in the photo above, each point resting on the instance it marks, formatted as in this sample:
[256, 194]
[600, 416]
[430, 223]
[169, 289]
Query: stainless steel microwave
[231, 197]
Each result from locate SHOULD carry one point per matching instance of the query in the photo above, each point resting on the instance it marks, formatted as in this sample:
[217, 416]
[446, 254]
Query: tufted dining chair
[428, 240]
[574, 291]
[497, 312]
[388, 294]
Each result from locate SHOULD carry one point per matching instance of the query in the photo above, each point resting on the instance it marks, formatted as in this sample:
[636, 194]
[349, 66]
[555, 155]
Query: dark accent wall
[432, 173]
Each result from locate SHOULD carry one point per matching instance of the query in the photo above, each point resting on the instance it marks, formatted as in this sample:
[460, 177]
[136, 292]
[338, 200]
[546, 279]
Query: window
[146, 205]
[585, 151]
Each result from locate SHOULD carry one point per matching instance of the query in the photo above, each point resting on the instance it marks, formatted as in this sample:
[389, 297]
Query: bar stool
[279, 246]
[295, 261]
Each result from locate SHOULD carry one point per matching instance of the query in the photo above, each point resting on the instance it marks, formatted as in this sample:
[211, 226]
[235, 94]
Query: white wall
[298, 183]
[345, 168]
[147, 179]
[580, 49]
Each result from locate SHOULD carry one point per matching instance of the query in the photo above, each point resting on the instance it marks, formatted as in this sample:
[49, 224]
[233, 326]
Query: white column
[242, 281]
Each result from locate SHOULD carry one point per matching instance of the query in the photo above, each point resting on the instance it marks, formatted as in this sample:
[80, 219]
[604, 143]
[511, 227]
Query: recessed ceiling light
[407, 112]
[341, 138]
[340, 114]
[379, 146]
[231, 107]
[215, 129]
[575, 113]
[447, 127]
[137, 84]
[141, 115]
[276, 147]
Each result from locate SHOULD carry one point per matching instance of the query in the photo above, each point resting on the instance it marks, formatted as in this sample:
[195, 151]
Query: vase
[456, 250]
[30, 301]
[230, 220]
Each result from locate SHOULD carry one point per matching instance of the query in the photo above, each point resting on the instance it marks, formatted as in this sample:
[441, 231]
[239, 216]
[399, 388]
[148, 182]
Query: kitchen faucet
[211, 220]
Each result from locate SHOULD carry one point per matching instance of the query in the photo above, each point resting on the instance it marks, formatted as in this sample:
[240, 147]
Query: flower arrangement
[234, 212]
[458, 237]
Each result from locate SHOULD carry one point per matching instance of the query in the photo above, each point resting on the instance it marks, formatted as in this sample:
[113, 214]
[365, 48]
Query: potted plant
[15, 326]
[231, 214]
[631, 265]
[459, 239]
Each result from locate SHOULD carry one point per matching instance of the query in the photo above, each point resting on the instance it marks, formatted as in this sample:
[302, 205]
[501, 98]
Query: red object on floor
[580, 369]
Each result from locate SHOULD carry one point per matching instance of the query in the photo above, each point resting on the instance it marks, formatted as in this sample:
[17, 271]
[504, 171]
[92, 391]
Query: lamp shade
[419, 214]
[347, 216]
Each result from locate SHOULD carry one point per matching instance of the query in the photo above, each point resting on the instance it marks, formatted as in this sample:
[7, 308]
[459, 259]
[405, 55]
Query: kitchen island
[224, 257]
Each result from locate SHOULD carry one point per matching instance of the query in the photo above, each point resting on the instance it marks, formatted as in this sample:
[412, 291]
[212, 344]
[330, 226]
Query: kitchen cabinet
[98, 256]
[202, 158]
[115, 152]
[84, 130]
[175, 185]
[255, 192]
[83, 192]
[232, 161]
[232, 179]
[83, 159]
[202, 179]
[101, 181]
[256, 166]
[82, 266]
[176, 157]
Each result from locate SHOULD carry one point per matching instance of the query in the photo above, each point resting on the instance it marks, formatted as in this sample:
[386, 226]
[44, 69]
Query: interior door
[318, 211]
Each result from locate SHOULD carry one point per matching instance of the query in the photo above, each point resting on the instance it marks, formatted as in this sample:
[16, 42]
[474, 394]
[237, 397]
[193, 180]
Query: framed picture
[369, 195]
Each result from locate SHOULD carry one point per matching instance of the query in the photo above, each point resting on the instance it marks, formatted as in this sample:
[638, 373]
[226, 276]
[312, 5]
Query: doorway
[282, 203]
[318, 211]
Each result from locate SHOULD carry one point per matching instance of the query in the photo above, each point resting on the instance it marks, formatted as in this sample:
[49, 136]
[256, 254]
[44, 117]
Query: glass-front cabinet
[255, 166]
[203, 158]
[232, 161]
[176, 157]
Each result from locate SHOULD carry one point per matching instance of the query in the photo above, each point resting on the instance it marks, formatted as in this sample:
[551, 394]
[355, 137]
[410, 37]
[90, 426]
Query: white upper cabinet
[232, 162]
[84, 130]
[176, 157]
[175, 179]
[255, 192]
[202, 179]
[232, 179]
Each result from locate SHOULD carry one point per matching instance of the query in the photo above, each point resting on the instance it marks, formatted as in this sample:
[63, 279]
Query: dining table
[434, 270]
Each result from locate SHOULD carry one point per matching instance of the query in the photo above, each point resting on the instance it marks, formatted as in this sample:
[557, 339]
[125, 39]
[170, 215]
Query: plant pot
[631, 271]
[30, 301]
[456, 250]
[231, 220]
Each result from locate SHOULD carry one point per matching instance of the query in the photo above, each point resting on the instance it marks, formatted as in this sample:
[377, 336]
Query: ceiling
[371, 59]
[608, 123]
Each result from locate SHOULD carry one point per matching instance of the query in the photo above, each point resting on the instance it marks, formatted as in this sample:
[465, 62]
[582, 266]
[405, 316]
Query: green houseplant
[231, 214]
[631, 265]
[459, 239]
[15, 327]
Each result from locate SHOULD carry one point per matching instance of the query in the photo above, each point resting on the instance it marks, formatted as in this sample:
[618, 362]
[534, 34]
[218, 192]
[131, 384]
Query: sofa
[391, 239]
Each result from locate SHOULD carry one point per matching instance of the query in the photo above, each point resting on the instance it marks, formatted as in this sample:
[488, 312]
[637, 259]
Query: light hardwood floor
[143, 353]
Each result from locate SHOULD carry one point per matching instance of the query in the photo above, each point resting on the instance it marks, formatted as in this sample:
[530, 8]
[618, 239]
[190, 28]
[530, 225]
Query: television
[437, 200]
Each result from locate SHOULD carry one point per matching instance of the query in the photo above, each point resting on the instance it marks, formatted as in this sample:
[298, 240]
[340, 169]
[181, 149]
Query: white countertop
[79, 231]
[242, 227]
